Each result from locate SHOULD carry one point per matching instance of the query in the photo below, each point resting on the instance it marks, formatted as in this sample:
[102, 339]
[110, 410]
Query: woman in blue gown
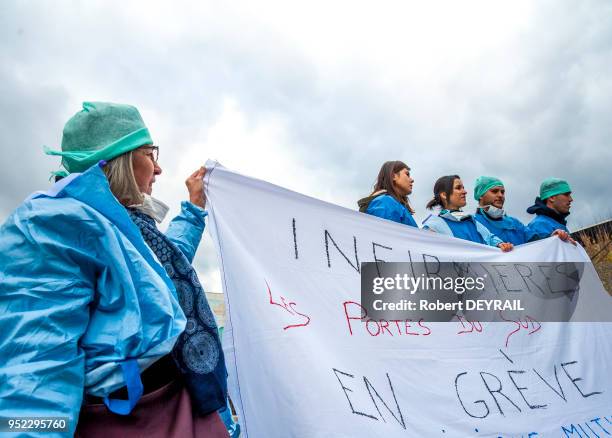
[389, 199]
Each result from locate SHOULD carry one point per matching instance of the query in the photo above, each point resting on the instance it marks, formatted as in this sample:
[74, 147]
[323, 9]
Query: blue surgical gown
[543, 226]
[387, 207]
[81, 293]
[507, 228]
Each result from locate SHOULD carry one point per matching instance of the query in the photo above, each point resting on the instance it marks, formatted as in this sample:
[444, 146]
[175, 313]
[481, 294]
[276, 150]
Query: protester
[449, 194]
[490, 194]
[389, 199]
[551, 208]
[98, 307]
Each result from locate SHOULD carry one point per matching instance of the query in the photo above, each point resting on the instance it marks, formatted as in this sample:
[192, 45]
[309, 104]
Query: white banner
[302, 364]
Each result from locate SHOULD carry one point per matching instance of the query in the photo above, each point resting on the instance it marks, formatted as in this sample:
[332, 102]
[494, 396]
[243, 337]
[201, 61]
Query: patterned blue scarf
[197, 353]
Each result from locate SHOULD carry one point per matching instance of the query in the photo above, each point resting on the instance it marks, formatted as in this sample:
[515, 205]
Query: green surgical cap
[484, 183]
[100, 131]
[553, 186]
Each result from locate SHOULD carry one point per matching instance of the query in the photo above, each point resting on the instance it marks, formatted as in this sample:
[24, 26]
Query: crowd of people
[489, 225]
[103, 317]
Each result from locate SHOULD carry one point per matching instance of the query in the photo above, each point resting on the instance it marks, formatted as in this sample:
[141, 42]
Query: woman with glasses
[106, 322]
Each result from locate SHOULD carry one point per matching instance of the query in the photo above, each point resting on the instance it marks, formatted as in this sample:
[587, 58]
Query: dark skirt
[165, 412]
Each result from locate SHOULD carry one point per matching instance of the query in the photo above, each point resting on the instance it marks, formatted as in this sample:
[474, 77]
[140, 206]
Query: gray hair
[120, 174]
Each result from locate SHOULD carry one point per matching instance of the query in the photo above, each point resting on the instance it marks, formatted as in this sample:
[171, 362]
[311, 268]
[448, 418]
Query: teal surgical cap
[484, 183]
[553, 186]
[100, 131]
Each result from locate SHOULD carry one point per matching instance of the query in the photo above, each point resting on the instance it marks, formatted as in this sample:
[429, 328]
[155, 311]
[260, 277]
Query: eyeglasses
[153, 154]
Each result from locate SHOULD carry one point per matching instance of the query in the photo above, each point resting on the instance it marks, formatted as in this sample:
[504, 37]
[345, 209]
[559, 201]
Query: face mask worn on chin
[494, 212]
[456, 215]
[152, 207]
[460, 215]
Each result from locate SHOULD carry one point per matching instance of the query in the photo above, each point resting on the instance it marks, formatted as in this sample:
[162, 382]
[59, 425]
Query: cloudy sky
[314, 96]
